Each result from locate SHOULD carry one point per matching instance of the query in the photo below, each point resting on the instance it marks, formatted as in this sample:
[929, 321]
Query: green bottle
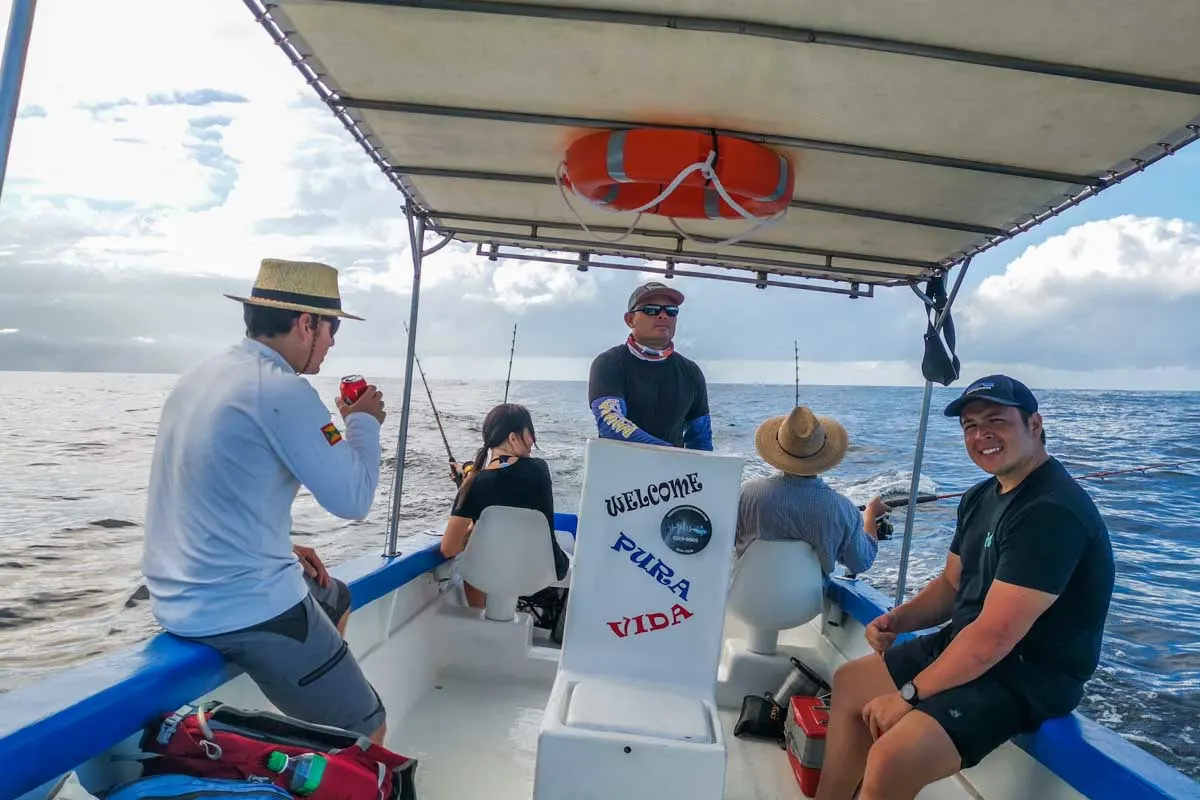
[307, 770]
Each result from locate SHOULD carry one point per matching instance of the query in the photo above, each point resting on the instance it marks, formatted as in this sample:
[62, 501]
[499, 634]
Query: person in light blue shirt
[795, 504]
[239, 435]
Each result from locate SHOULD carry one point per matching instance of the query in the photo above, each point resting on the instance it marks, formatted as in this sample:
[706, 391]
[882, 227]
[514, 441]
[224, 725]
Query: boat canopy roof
[921, 133]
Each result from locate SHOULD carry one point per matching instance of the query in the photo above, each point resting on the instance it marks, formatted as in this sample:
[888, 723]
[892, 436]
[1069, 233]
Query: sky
[154, 164]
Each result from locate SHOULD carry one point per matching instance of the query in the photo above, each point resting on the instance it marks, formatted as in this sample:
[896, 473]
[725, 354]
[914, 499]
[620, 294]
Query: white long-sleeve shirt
[238, 436]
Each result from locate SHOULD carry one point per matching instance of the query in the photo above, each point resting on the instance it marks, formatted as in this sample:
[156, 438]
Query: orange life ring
[625, 170]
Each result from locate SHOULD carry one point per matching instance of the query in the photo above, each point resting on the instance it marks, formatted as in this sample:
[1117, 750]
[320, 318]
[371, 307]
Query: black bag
[548, 607]
[761, 718]
[939, 364]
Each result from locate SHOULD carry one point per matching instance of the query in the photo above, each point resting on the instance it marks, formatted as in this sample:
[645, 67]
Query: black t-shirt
[523, 483]
[661, 397]
[1048, 535]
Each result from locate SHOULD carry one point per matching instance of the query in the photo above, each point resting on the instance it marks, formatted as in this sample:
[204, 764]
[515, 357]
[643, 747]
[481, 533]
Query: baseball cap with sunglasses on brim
[653, 289]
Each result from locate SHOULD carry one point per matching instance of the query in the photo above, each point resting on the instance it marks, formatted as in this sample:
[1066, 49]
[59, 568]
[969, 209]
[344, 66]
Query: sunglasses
[655, 309]
[334, 324]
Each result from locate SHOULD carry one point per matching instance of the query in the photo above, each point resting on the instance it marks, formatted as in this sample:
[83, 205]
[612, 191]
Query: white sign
[652, 562]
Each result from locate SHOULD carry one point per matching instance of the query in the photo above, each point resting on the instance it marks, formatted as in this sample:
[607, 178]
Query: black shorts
[979, 716]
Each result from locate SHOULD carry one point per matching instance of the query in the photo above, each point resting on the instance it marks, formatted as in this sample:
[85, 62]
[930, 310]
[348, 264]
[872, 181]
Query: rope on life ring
[677, 174]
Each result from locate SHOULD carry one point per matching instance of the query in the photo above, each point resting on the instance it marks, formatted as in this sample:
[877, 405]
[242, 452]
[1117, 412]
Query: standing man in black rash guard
[642, 390]
[1024, 595]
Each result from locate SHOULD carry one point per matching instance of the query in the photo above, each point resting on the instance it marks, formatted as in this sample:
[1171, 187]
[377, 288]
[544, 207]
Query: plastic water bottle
[306, 770]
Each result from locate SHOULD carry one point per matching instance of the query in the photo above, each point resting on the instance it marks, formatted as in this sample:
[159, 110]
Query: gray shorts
[303, 665]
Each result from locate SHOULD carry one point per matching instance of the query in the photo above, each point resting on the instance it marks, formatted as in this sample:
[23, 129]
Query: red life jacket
[214, 740]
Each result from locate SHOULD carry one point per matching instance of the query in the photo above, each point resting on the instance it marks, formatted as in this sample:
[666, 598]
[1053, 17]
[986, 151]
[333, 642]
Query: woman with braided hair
[503, 474]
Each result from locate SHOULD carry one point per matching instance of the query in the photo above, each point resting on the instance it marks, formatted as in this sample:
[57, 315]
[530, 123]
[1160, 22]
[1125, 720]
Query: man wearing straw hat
[239, 434]
[794, 504]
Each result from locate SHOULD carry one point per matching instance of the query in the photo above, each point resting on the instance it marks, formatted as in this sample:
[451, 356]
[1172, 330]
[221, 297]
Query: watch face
[908, 691]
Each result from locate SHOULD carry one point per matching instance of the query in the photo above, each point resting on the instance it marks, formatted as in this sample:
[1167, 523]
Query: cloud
[134, 189]
[1109, 294]
[296, 224]
[197, 97]
[98, 108]
[204, 144]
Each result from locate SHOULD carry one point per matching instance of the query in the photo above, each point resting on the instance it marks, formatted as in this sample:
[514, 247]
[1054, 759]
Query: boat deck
[474, 739]
[477, 737]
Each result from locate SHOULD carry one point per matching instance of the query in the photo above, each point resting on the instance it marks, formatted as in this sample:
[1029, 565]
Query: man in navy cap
[1022, 602]
[644, 391]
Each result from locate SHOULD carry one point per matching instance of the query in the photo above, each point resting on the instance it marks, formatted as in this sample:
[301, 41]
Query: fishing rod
[510, 360]
[796, 345]
[929, 498]
[437, 417]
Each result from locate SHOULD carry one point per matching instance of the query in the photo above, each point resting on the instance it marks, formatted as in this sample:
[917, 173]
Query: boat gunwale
[75, 714]
[101, 703]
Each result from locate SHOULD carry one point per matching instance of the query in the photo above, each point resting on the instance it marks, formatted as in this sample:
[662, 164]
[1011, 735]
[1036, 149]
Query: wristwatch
[908, 693]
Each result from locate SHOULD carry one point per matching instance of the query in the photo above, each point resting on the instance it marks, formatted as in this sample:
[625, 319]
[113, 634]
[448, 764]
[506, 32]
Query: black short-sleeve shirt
[1047, 535]
[523, 483]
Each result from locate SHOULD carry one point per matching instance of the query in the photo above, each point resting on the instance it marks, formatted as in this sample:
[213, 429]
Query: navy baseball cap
[999, 389]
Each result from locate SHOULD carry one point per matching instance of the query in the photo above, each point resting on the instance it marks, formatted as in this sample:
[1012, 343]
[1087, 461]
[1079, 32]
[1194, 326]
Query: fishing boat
[847, 148]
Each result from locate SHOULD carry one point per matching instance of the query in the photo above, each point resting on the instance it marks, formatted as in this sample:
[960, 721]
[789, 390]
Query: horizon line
[962, 383]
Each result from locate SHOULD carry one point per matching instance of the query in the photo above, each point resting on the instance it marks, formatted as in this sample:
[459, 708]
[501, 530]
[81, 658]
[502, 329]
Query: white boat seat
[632, 713]
[601, 705]
[507, 556]
[777, 585]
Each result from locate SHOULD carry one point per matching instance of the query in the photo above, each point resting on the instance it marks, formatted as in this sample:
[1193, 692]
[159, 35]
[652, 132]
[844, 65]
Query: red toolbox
[807, 721]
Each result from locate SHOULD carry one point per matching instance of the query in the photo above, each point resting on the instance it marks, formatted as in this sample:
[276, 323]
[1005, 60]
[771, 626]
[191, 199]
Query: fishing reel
[883, 528]
[459, 477]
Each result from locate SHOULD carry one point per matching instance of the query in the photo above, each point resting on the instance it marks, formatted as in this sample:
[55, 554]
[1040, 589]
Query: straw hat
[802, 443]
[297, 286]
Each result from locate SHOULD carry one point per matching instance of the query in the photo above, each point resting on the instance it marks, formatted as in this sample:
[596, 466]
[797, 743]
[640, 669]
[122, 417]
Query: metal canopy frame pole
[586, 260]
[914, 485]
[416, 243]
[744, 262]
[922, 269]
[12, 73]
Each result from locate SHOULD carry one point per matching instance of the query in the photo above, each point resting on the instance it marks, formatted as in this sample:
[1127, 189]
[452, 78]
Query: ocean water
[76, 452]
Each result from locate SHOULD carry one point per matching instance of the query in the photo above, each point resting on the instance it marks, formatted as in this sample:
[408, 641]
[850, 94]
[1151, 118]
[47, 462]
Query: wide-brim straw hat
[297, 286]
[802, 443]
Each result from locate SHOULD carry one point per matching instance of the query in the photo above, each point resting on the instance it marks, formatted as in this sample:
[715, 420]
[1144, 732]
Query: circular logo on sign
[686, 530]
